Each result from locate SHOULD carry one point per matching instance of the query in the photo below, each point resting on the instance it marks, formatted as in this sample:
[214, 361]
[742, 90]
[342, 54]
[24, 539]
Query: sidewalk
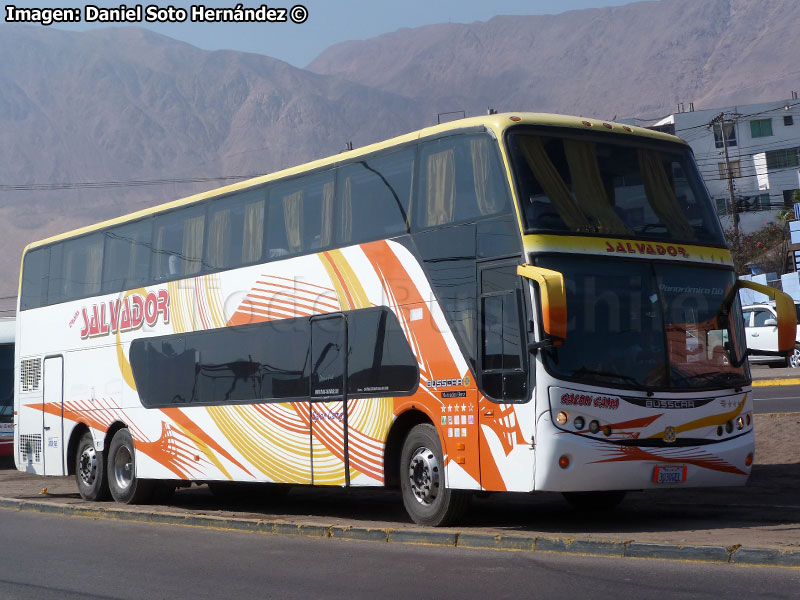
[764, 376]
[755, 524]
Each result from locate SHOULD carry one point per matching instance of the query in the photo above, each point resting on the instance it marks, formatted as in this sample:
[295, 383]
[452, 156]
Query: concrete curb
[430, 537]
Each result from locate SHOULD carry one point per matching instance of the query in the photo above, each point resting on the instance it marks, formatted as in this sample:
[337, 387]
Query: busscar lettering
[42, 16]
[121, 315]
[647, 249]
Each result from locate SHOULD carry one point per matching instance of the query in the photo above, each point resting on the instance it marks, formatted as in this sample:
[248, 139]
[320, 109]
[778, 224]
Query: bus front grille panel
[30, 374]
[30, 448]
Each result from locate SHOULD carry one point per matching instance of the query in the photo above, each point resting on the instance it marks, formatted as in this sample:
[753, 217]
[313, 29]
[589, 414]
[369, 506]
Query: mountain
[634, 60]
[124, 107]
[126, 104]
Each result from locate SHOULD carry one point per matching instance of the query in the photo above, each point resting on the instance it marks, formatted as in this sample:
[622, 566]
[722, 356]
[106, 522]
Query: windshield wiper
[709, 376]
[626, 378]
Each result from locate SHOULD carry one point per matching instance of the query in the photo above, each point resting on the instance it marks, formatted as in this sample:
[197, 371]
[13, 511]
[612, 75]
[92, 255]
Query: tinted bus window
[460, 180]
[81, 268]
[126, 262]
[235, 230]
[374, 196]
[301, 215]
[34, 278]
[178, 243]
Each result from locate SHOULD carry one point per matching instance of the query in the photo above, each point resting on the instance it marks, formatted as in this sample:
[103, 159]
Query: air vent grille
[30, 448]
[30, 374]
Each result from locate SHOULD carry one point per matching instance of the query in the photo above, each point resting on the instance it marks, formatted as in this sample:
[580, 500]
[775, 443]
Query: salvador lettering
[124, 315]
[644, 248]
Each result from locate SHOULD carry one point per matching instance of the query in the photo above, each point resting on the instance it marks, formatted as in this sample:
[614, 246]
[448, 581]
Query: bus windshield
[648, 326]
[6, 382]
[608, 184]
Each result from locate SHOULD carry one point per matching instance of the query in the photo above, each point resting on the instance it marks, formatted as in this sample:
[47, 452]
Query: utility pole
[734, 209]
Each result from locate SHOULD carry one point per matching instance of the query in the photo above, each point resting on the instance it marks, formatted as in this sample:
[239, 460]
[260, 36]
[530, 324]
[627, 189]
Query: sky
[328, 21]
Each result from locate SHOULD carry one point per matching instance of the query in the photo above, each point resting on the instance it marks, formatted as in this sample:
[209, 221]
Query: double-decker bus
[7, 329]
[516, 302]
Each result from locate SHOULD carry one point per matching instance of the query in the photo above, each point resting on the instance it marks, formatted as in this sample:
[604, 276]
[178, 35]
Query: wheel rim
[87, 465]
[123, 468]
[794, 359]
[423, 473]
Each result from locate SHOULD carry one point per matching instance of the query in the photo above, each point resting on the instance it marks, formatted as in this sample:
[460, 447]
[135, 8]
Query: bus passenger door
[52, 410]
[328, 407]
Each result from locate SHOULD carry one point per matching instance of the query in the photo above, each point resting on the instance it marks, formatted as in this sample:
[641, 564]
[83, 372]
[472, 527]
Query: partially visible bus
[7, 327]
[516, 302]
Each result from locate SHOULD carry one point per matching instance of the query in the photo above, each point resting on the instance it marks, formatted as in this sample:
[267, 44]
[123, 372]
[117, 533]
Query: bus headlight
[562, 418]
[579, 423]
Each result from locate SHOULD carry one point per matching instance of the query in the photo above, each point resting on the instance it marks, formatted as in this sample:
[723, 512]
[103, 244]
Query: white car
[761, 327]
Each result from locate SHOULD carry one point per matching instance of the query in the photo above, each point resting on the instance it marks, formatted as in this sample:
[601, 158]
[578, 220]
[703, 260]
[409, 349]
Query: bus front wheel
[90, 470]
[125, 487]
[427, 499]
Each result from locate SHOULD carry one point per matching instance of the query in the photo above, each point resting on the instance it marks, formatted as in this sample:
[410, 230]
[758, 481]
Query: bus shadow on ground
[772, 497]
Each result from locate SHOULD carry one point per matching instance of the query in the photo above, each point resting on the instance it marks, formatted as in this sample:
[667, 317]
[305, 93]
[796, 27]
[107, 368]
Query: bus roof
[497, 123]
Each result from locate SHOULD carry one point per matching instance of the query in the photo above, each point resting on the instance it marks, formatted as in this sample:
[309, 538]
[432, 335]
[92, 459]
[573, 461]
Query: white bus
[516, 302]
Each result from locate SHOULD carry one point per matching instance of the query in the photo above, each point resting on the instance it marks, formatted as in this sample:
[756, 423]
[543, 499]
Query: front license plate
[663, 474]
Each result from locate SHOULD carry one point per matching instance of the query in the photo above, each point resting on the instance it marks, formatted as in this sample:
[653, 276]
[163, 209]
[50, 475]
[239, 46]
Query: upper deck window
[603, 184]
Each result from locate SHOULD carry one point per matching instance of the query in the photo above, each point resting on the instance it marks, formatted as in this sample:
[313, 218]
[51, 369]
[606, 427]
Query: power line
[25, 187]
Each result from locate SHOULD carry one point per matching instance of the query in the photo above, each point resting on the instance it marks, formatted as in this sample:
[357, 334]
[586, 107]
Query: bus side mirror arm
[553, 305]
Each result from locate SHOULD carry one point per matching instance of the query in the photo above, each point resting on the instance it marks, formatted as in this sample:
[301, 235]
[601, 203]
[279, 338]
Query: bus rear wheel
[125, 487]
[426, 498]
[90, 470]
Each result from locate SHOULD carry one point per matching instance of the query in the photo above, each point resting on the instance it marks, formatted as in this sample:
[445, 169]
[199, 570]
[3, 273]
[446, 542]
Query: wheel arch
[72, 445]
[402, 425]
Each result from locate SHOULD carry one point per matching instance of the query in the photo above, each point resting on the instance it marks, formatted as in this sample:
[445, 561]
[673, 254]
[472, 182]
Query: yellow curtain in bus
[590, 190]
[219, 235]
[488, 204]
[326, 233]
[293, 216]
[347, 210]
[441, 188]
[192, 248]
[253, 234]
[661, 196]
[552, 184]
[94, 267]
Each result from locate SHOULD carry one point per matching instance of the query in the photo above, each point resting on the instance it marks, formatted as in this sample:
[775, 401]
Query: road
[51, 557]
[772, 399]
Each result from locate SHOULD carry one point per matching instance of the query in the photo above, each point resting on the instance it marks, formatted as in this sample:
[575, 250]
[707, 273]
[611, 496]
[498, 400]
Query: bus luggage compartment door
[53, 410]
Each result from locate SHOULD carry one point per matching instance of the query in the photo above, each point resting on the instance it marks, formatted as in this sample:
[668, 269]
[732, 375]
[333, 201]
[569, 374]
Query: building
[763, 145]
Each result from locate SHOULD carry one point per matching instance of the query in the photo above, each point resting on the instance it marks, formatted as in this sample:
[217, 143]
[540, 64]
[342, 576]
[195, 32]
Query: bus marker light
[460, 460]
[515, 119]
[608, 126]
[748, 460]
[628, 129]
[562, 418]
[739, 423]
[587, 123]
[460, 447]
[594, 426]
[563, 462]
[607, 430]
[579, 423]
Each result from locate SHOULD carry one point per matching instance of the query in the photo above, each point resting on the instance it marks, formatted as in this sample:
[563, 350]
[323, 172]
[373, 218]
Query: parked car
[761, 327]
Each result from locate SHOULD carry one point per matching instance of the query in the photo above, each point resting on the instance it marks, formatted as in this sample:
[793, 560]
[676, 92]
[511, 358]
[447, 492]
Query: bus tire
[590, 502]
[125, 487]
[422, 481]
[90, 470]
